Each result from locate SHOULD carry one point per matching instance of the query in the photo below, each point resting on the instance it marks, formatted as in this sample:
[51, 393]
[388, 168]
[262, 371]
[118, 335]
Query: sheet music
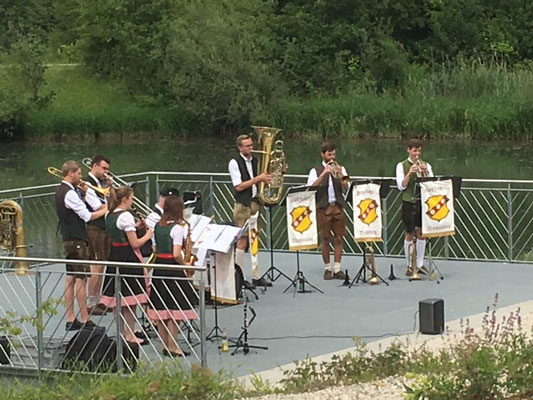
[218, 238]
[198, 225]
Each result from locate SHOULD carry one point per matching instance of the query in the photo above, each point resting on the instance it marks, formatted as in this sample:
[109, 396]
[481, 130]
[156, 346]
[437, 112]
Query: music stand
[270, 272]
[299, 280]
[223, 243]
[384, 190]
[242, 340]
[433, 269]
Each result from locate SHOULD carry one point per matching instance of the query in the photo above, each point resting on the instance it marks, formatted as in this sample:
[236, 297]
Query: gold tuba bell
[12, 233]
[272, 162]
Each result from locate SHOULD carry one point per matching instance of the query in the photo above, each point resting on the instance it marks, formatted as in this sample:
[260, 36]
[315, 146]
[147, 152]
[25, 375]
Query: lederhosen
[334, 213]
[74, 233]
[411, 207]
[132, 287]
[172, 297]
[99, 241]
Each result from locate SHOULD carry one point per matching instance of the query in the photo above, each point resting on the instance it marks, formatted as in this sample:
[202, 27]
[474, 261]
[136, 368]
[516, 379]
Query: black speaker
[193, 199]
[431, 312]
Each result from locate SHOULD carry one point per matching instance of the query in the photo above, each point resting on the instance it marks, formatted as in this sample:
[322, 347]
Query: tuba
[272, 162]
[12, 233]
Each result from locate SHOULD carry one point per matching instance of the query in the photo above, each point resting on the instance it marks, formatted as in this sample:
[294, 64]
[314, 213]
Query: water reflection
[25, 164]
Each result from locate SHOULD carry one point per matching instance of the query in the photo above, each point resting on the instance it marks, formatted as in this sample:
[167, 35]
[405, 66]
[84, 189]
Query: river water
[24, 164]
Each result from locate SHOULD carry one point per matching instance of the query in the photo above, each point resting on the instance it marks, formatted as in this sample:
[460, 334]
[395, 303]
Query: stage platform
[298, 325]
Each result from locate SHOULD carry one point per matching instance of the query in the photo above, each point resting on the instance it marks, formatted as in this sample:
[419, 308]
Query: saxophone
[190, 257]
[12, 233]
[272, 161]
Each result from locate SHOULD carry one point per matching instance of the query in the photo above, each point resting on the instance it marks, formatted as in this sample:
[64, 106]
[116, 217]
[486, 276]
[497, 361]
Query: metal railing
[33, 317]
[494, 218]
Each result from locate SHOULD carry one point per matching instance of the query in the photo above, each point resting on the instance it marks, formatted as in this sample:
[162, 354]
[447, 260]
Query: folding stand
[384, 188]
[270, 272]
[361, 275]
[242, 340]
[300, 280]
[434, 273]
[214, 333]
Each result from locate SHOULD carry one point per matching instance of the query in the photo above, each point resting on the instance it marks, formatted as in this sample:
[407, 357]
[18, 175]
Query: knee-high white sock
[407, 248]
[336, 267]
[420, 251]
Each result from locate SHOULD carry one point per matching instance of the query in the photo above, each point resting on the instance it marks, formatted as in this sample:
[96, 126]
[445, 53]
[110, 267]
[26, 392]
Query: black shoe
[261, 282]
[248, 285]
[339, 275]
[90, 325]
[73, 325]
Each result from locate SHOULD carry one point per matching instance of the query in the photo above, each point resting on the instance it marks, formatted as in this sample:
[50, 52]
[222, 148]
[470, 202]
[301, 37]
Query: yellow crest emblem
[368, 212]
[300, 218]
[254, 242]
[437, 207]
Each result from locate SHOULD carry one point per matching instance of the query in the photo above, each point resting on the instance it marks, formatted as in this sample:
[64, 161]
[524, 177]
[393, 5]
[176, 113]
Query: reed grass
[470, 100]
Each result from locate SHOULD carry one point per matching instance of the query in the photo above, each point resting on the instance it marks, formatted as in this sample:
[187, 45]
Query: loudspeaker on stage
[431, 313]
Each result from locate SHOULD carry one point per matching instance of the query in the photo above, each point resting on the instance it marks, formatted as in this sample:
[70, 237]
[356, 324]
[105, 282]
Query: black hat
[169, 192]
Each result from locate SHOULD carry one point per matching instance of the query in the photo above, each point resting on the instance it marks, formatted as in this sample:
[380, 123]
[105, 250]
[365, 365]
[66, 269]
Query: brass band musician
[244, 177]
[406, 173]
[330, 207]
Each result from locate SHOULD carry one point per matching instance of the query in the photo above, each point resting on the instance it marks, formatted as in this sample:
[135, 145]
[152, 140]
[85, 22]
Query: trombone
[58, 174]
[141, 209]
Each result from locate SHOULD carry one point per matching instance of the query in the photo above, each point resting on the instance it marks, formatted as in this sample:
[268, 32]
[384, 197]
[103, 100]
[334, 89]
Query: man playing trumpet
[406, 173]
[330, 177]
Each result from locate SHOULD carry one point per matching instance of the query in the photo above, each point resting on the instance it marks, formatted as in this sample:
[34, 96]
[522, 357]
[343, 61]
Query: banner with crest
[437, 208]
[253, 236]
[367, 213]
[301, 220]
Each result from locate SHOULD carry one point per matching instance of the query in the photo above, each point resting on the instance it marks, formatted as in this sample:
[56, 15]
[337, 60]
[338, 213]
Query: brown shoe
[97, 310]
[423, 270]
[409, 271]
[328, 275]
[339, 275]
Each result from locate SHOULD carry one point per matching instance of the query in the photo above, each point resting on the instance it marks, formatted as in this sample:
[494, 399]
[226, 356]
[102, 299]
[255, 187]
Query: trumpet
[420, 171]
[141, 209]
[58, 174]
[336, 171]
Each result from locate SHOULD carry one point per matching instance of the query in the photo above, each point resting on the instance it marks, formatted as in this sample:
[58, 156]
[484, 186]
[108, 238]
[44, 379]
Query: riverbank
[467, 102]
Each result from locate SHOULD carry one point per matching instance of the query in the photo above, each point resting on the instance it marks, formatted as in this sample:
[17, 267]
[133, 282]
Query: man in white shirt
[243, 172]
[73, 215]
[155, 216]
[406, 173]
[330, 208]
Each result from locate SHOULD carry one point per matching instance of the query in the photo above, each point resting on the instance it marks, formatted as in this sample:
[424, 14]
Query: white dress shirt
[91, 197]
[331, 191]
[235, 173]
[126, 222]
[400, 175]
[74, 202]
[153, 218]
[177, 233]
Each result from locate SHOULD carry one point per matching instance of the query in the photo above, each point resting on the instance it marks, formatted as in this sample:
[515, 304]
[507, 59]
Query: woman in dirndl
[121, 227]
[172, 297]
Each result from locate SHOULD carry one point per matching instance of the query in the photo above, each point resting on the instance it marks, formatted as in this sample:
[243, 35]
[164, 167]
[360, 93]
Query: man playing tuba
[243, 172]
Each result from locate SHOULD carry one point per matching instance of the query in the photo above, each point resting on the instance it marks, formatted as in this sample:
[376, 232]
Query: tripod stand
[270, 272]
[214, 332]
[361, 274]
[434, 271]
[300, 280]
[242, 340]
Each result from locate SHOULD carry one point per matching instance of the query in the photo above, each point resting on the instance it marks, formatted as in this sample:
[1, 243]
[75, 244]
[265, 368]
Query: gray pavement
[295, 325]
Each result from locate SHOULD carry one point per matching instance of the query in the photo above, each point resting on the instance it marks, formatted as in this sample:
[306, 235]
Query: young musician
[330, 208]
[172, 298]
[125, 245]
[73, 216]
[243, 172]
[99, 241]
[406, 174]
[153, 218]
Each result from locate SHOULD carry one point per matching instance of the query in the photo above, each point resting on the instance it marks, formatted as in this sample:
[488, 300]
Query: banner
[223, 284]
[367, 213]
[437, 208]
[253, 236]
[301, 220]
